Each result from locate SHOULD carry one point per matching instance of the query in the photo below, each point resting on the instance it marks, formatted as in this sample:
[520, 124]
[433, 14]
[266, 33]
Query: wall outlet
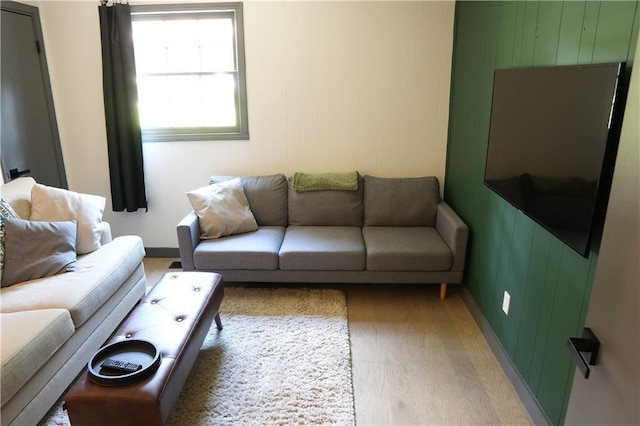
[505, 303]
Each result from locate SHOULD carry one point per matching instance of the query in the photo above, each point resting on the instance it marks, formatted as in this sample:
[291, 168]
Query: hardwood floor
[421, 360]
[416, 359]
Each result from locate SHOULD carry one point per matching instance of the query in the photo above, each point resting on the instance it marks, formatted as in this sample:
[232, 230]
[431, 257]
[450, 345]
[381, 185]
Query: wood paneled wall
[548, 282]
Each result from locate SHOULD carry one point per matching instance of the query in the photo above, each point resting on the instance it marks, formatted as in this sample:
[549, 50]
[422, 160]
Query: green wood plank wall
[549, 283]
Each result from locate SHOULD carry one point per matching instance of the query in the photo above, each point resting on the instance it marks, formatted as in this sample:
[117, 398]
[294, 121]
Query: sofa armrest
[188, 238]
[105, 233]
[454, 232]
[18, 194]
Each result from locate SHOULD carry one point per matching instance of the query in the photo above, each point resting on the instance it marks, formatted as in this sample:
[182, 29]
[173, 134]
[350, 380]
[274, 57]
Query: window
[190, 71]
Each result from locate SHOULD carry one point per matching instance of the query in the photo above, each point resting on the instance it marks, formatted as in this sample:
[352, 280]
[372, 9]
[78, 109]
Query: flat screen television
[553, 139]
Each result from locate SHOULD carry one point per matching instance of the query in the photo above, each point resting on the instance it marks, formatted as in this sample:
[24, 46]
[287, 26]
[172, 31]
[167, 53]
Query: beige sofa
[51, 326]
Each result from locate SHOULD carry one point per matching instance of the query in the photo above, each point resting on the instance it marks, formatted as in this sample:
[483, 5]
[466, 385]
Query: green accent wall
[549, 283]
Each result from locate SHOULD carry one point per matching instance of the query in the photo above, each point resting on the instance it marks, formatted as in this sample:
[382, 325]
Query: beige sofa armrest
[188, 238]
[105, 233]
[18, 194]
[454, 232]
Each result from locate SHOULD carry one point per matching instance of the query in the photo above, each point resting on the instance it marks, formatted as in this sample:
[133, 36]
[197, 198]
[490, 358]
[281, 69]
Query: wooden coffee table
[175, 316]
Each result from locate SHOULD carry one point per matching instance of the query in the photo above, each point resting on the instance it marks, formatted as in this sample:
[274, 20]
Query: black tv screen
[552, 144]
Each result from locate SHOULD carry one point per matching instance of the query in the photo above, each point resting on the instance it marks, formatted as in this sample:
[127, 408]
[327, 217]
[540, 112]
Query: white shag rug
[283, 357]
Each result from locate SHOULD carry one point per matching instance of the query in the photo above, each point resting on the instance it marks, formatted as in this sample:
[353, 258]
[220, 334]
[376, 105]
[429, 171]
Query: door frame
[612, 391]
[34, 13]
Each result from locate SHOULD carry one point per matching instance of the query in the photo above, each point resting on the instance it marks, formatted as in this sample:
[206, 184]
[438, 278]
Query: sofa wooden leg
[443, 290]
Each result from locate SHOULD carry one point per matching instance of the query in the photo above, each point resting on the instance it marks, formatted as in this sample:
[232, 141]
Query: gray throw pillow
[5, 211]
[37, 249]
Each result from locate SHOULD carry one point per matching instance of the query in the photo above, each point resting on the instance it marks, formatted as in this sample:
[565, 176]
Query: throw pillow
[55, 204]
[5, 211]
[267, 196]
[37, 249]
[222, 209]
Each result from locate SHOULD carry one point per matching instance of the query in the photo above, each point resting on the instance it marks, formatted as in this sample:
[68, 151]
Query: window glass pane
[220, 86]
[181, 33]
[187, 101]
[188, 72]
[215, 32]
[183, 59]
[220, 113]
[148, 34]
[151, 60]
[150, 50]
[218, 96]
[152, 100]
[152, 88]
[183, 89]
[217, 58]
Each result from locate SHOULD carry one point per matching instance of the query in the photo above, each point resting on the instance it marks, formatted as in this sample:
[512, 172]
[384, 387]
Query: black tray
[136, 351]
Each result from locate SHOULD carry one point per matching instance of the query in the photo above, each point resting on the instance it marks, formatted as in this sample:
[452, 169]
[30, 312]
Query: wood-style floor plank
[417, 359]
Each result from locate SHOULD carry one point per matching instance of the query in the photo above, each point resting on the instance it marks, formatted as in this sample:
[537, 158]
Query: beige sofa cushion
[28, 340]
[98, 275]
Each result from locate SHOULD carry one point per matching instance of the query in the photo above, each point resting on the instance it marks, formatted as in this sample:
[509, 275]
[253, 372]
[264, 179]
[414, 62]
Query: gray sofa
[52, 326]
[389, 230]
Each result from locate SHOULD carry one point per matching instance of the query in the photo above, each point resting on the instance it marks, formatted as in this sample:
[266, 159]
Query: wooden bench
[176, 316]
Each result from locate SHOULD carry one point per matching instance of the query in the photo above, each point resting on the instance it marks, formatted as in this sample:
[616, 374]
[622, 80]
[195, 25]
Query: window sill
[189, 137]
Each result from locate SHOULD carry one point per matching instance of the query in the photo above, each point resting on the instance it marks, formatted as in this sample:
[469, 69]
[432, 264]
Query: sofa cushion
[400, 201]
[267, 197]
[38, 249]
[326, 208]
[406, 249]
[322, 248]
[49, 203]
[253, 250]
[222, 209]
[29, 339]
[98, 275]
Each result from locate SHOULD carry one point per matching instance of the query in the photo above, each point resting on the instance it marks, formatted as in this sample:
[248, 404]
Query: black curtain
[124, 139]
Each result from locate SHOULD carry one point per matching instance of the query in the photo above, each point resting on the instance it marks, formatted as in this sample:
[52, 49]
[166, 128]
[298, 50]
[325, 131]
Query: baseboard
[162, 252]
[528, 399]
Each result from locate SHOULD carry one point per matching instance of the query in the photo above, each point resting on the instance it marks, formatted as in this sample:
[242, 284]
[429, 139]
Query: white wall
[332, 86]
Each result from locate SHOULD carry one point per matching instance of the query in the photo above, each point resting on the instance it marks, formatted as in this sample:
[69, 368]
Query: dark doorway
[30, 143]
